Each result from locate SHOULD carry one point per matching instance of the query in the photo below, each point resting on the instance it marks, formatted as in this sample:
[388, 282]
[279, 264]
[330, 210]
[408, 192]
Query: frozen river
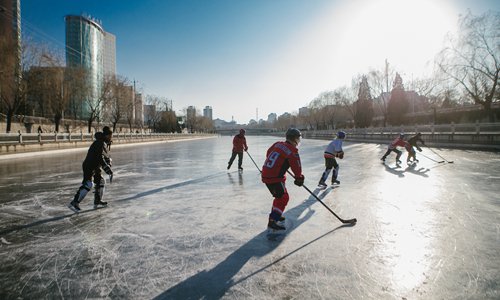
[180, 226]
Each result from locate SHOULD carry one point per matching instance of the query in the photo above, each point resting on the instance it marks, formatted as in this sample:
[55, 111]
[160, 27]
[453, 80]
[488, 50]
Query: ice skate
[274, 227]
[100, 203]
[322, 185]
[73, 205]
[335, 182]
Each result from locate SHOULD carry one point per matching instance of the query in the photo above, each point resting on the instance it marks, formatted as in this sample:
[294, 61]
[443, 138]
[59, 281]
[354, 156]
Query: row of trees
[44, 87]
[467, 72]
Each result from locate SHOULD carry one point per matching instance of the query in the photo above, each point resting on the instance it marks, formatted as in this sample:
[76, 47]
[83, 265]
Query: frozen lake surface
[180, 226]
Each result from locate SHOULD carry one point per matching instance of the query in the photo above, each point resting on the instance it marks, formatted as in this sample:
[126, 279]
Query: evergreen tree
[398, 104]
[364, 105]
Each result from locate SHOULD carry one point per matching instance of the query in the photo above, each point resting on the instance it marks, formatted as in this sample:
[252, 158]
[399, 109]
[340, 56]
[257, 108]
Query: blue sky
[272, 55]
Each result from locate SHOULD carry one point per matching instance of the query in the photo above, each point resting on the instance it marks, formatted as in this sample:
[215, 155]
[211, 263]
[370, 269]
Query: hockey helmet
[293, 133]
[401, 135]
[341, 134]
[106, 130]
[242, 131]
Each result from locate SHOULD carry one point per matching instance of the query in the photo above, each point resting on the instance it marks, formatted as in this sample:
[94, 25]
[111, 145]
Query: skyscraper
[109, 58]
[85, 49]
[207, 112]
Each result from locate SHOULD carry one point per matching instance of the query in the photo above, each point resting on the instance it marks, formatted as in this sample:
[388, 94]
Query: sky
[247, 59]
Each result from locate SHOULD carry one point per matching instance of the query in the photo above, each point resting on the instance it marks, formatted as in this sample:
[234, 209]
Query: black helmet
[341, 134]
[106, 130]
[293, 133]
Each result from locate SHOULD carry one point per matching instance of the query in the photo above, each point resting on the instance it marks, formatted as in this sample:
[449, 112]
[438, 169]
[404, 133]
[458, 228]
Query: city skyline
[274, 56]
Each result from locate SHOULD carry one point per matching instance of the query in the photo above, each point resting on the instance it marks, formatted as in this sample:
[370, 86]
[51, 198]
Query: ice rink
[180, 226]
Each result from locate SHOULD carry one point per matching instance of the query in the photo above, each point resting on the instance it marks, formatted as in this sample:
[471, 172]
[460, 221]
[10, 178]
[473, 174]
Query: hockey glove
[111, 178]
[299, 181]
[107, 169]
[340, 154]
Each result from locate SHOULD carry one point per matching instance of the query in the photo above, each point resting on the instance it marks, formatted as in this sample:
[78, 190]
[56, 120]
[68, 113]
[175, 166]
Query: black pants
[398, 153]
[233, 156]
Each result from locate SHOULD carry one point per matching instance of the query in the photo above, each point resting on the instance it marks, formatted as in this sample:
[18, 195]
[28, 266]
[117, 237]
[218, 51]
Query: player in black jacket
[97, 158]
[413, 143]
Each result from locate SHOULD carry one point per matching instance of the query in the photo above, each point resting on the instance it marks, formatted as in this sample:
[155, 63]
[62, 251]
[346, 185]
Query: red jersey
[239, 143]
[281, 156]
[397, 142]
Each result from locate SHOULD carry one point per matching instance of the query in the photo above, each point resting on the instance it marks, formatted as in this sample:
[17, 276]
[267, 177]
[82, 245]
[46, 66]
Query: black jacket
[98, 155]
[413, 141]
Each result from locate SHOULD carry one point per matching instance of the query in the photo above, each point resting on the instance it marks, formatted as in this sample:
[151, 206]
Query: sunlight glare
[406, 239]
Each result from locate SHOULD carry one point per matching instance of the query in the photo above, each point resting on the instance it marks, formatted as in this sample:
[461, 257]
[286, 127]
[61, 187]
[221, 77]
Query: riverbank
[15, 150]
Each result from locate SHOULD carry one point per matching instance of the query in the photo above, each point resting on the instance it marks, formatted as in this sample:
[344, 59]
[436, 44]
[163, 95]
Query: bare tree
[12, 85]
[379, 86]
[472, 59]
[152, 111]
[95, 103]
[54, 83]
[346, 96]
[76, 88]
[117, 104]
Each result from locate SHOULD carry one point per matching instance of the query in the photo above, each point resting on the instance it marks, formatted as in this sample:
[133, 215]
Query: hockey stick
[448, 161]
[439, 162]
[253, 161]
[350, 221]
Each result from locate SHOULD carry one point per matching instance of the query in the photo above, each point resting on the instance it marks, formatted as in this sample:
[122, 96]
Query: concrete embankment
[468, 141]
[29, 148]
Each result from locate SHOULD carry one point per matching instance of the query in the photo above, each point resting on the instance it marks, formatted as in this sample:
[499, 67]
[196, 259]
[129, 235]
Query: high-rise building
[191, 112]
[109, 58]
[272, 117]
[10, 48]
[85, 49]
[139, 109]
[207, 112]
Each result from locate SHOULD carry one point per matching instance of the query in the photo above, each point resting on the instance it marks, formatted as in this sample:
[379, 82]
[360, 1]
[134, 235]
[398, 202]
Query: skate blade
[73, 209]
[100, 206]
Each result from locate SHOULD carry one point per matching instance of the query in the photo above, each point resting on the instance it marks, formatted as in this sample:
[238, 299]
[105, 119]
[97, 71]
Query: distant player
[239, 145]
[97, 158]
[413, 143]
[333, 150]
[281, 156]
[393, 147]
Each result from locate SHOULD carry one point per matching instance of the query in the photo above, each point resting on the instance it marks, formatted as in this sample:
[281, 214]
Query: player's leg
[278, 190]
[100, 183]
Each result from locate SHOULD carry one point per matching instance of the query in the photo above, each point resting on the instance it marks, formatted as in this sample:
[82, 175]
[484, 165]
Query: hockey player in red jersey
[393, 147]
[281, 156]
[239, 145]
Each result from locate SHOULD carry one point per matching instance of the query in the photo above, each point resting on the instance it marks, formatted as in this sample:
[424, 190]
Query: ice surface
[180, 226]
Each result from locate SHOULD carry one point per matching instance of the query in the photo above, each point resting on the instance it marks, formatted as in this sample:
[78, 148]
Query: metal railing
[32, 138]
[469, 128]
